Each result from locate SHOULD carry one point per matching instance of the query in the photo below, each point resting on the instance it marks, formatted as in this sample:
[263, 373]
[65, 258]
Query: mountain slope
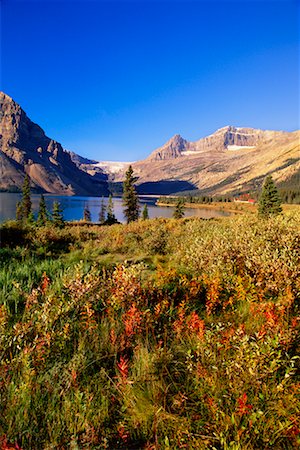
[24, 148]
[231, 159]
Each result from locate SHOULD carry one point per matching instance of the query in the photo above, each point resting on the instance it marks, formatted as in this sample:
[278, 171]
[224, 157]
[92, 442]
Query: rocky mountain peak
[170, 150]
[25, 148]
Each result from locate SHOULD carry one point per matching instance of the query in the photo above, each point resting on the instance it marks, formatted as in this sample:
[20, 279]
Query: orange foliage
[132, 320]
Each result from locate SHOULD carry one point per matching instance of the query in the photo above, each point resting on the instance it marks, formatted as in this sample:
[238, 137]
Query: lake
[73, 207]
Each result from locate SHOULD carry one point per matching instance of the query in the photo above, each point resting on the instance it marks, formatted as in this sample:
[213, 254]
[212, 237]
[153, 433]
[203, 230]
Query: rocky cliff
[170, 150]
[24, 148]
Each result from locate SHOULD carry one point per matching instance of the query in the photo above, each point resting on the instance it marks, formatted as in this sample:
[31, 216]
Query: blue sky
[114, 80]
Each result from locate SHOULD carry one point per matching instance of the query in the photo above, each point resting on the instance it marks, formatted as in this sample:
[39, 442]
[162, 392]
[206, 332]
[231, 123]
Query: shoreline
[213, 206]
[232, 207]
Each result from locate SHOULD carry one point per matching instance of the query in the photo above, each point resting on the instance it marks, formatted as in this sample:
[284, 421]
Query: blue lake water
[73, 207]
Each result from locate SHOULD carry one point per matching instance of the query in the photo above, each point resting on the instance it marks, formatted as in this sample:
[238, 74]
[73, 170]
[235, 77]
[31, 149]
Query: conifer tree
[26, 200]
[87, 214]
[269, 200]
[19, 211]
[43, 215]
[179, 209]
[102, 212]
[57, 216]
[145, 213]
[130, 198]
[111, 218]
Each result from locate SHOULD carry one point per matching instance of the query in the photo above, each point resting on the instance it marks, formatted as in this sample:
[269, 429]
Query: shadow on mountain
[164, 187]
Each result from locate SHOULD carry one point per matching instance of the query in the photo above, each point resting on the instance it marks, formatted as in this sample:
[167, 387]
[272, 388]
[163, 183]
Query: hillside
[232, 159]
[25, 148]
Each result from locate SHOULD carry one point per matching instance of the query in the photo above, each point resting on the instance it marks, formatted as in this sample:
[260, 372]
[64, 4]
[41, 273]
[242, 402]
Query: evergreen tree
[145, 213]
[87, 214]
[19, 211]
[130, 198]
[111, 218]
[26, 200]
[102, 212]
[43, 215]
[269, 200]
[179, 209]
[57, 216]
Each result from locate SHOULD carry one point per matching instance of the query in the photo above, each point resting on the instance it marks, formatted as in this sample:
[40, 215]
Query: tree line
[106, 216]
[269, 204]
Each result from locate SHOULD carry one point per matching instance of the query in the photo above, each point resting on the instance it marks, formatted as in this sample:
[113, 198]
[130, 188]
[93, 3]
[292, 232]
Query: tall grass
[160, 334]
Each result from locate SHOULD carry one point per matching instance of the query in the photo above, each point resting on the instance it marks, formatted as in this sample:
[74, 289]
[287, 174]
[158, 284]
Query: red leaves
[122, 366]
[242, 406]
[5, 445]
[123, 433]
[132, 321]
[196, 325]
[188, 323]
[44, 283]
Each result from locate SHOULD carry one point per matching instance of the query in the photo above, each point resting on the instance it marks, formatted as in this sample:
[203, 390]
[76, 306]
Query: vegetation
[201, 199]
[102, 212]
[23, 209]
[87, 214]
[43, 215]
[111, 218]
[57, 215]
[159, 334]
[179, 209]
[269, 201]
[145, 213]
[130, 198]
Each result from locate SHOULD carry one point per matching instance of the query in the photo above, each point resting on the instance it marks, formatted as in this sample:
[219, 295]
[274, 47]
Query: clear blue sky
[114, 80]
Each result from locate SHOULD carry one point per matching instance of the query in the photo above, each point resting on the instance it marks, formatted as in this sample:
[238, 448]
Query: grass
[160, 334]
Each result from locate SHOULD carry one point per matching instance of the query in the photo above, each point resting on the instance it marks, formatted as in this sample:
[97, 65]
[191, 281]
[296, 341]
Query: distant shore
[229, 207]
[232, 207]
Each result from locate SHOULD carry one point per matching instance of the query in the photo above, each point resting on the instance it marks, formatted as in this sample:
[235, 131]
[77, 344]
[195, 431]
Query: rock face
[223, 139]
[24, 148]
[231, 159]
[171, 150]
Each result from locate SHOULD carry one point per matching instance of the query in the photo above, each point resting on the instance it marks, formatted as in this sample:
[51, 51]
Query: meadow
[159, 334]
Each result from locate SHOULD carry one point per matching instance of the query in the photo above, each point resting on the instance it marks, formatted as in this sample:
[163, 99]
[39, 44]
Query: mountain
[171, 150]
[25, 149]
[103, 168]
[230, 160]
[233, 159]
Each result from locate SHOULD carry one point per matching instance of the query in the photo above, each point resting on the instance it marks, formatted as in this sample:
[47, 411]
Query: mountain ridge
[228, 160]
[25, 149]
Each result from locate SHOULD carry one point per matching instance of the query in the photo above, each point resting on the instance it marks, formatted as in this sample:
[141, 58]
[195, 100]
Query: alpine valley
[231, 160]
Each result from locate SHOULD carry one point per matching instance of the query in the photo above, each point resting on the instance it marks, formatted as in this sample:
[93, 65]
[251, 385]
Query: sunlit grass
[160, 334]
